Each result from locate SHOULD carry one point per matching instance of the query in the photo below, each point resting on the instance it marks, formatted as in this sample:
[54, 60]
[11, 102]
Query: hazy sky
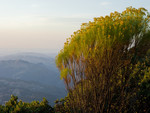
[45, 24]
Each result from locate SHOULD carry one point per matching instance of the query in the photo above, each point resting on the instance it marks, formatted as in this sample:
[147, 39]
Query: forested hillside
[29, 91]
[29, 75]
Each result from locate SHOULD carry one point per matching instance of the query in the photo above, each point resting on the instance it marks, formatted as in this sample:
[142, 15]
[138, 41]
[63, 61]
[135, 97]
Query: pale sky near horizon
[45, 24]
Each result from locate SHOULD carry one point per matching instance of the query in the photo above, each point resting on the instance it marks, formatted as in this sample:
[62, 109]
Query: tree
[101, 64]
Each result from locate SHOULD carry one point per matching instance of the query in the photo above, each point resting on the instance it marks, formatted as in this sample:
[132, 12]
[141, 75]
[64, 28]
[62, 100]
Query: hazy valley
[30, 76]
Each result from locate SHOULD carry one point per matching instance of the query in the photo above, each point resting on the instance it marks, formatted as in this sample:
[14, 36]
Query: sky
[44, 25]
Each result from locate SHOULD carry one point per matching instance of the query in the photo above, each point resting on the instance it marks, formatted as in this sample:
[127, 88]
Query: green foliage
[15, 106]
[104, 64]
[64, 73]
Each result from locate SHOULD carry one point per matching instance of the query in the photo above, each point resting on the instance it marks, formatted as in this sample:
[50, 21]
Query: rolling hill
[30, 76]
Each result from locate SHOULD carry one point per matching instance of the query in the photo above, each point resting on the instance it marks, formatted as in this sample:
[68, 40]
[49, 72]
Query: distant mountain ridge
[47, 60]
[28, 68]
[24, 70]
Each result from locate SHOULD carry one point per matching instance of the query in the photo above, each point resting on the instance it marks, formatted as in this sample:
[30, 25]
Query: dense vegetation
[105, 66]
[15, 106]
